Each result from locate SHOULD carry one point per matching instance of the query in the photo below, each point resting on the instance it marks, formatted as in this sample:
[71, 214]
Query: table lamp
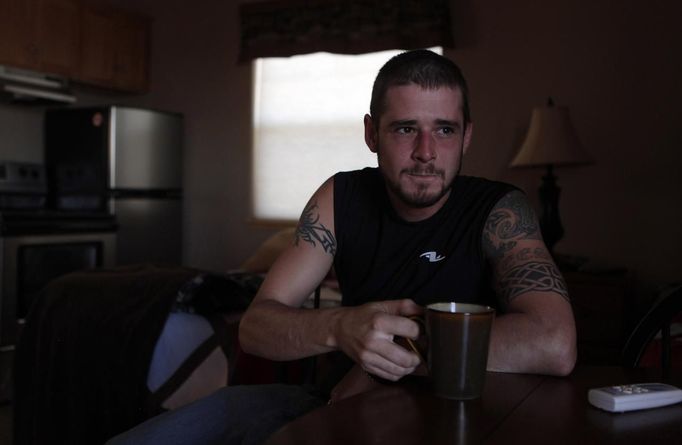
[551, 141]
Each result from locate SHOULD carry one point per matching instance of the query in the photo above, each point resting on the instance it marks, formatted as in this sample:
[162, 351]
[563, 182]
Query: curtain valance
[288, 27]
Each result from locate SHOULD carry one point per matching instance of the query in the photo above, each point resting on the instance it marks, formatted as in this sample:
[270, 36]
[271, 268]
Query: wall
[614, 63]
[20, 134]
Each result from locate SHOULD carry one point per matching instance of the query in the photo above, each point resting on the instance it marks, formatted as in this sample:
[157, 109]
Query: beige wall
[614, 63]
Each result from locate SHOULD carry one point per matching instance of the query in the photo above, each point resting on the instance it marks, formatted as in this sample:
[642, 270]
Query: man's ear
[370, 133]
[467, 136]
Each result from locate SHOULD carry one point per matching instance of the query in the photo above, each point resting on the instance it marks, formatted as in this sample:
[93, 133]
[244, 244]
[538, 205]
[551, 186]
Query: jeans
[239, 415]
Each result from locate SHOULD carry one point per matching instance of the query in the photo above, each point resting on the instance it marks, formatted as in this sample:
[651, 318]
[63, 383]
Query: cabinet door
[131, 55]
[58, 36]
[114, 50]
[97, 47]
[18, 22]
[602, 304]
[40, 35]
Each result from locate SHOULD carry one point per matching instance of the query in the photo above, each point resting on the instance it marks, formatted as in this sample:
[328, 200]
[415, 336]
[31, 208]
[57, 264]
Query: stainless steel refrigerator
[122, 161]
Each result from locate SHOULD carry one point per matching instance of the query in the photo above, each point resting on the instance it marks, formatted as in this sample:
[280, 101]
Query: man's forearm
[525, 343]
[276, 331]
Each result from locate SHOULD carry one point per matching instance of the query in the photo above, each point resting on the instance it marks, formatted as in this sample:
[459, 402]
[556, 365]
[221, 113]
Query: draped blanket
[84, 354]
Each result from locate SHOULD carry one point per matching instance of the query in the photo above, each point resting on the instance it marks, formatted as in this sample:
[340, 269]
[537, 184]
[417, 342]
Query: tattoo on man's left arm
[509, 221]
[310, 230]
[540, 276]
[518, 271]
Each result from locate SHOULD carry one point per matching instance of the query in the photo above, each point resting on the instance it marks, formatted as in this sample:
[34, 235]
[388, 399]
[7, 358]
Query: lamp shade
[551, 140]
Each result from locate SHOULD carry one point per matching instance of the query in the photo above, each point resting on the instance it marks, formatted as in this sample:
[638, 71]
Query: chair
[667, 306]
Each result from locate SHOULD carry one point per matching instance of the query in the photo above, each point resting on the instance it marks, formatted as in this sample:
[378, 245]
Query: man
[399, 237]
[420, 128]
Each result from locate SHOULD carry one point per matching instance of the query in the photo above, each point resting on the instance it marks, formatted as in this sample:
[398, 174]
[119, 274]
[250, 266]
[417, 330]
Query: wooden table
[514, 408]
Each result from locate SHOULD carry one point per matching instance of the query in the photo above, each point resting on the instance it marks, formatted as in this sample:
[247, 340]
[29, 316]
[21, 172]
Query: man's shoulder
[367, 172]
[484, 182]
[366, 178]
[478, 186]
[479, 196]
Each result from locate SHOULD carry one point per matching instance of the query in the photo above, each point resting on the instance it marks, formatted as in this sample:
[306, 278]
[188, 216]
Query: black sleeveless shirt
[382, 257]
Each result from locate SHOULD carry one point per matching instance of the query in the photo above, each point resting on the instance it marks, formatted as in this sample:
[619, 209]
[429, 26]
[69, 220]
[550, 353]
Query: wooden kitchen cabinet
[114, 50]
[15, 32]
[40, 35]
[78, 40]
[58, 36]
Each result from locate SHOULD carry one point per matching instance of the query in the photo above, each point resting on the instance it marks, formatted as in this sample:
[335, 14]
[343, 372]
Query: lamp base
[550, 222]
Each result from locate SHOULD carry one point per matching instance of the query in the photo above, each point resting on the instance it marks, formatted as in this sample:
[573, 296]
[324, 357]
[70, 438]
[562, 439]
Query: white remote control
[633, 397]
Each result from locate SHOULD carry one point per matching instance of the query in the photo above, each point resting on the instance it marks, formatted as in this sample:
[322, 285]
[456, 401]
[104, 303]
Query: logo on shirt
[432, 256]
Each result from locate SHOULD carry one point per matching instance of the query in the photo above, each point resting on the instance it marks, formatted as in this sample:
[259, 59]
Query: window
[308, 113]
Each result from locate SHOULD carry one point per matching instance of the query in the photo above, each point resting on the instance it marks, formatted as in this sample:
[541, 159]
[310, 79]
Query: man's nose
[424, 150]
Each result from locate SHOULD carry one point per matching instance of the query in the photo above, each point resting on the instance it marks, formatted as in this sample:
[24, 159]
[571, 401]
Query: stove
[23, 206]
[38, 245]
[44, 222]
[23, 186]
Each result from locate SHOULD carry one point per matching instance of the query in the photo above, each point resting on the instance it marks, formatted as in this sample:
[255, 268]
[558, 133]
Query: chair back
[658, 319]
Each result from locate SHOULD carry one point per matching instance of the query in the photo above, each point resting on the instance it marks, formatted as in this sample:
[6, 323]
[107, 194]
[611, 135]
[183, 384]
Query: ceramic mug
[458, 335]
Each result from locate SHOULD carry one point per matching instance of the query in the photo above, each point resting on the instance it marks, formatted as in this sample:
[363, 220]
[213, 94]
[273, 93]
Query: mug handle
[413, 345]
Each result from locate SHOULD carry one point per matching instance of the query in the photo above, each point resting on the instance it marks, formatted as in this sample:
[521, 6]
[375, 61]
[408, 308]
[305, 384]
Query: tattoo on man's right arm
[312, 231]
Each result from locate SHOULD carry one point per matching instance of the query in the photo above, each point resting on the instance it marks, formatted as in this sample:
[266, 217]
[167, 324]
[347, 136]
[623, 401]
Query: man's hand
[365, 333]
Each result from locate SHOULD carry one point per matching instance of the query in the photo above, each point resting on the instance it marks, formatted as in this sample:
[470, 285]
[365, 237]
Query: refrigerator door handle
[145, 194]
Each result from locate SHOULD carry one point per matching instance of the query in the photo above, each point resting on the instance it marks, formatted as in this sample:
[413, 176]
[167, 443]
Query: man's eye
[447, 131]
[404, 130]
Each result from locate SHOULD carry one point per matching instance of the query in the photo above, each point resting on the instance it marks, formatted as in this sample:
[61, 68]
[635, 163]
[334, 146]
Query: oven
[38, 245]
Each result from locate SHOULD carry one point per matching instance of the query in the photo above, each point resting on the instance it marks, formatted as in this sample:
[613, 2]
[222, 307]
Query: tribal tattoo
[524, 255]
[534, 276]
[518, 269]
[312, 231]
[510, 220]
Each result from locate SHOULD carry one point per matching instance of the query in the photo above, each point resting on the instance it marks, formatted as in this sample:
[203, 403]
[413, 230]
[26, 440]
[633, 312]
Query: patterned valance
[288, 27]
